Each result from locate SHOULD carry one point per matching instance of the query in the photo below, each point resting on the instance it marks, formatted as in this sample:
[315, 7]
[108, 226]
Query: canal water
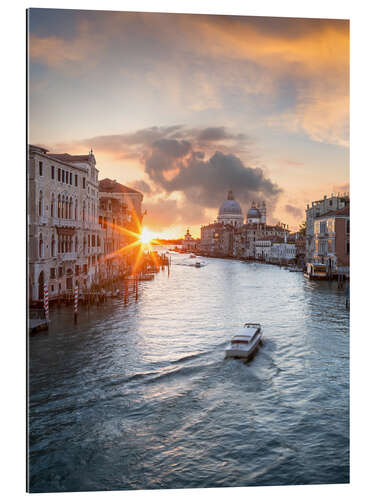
[141, 397]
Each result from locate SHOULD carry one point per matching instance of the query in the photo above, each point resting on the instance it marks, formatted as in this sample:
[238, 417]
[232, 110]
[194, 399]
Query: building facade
[319, 208]
[189, 244]
[332, 241]
[64, 238]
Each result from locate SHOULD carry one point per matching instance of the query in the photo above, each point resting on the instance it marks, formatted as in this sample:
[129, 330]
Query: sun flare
[146, 236]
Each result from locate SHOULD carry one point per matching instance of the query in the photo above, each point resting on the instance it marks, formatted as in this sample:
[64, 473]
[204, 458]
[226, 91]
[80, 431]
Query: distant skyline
[186, 107]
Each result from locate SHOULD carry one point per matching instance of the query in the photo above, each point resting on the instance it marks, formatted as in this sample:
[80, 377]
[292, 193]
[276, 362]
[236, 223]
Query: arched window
[53, 205]
[40, 204]
[97, 241]
[70, 208]
[84, 244]
[41, 246]
[63, 207]
[76, 244]
[76, 210]
[53, 246]
[59, 208]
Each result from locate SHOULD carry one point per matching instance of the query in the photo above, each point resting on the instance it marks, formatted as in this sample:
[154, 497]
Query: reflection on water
[141, 396]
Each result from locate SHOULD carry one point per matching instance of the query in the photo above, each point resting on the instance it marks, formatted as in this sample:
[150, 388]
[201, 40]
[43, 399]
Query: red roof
[112, 186]
[345, 212]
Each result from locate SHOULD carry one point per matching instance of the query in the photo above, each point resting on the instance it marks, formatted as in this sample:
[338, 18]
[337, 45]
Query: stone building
[120, 218]
[317, 209]
[189, 244]
[332, 241]
[64, 237]
[217, 239]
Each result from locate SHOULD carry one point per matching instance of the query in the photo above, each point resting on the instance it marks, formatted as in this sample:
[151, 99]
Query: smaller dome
[253, 213]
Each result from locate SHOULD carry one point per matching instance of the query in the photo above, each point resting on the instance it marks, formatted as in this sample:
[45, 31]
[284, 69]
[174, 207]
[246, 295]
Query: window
[52, 172]
[59, 174]
[53, 246]
[83, 182]
[85, 268]
[347, 247]
[77, 270]
[52, 205]
[93, 240]
[63, 175]
[60, 272]
[52, 273]
[323, 227]
[40, 168]
[71, 178]
[76, 180]
[76, 210]
[76, 244]
[84, 211]
[40, 203]
[348, 226]
[41, 248]
[59, 206]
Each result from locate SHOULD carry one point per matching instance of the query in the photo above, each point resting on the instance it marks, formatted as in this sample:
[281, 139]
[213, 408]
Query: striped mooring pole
[45, 302]
[75, 303]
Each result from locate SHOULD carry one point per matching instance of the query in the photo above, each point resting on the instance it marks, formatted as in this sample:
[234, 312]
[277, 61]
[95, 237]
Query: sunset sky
[186, 107]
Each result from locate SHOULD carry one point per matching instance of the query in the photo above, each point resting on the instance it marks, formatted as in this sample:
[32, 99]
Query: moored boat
[316, 271]
[245, 342]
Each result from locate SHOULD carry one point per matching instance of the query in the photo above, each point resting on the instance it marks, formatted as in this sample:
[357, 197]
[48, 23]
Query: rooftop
[112, 186]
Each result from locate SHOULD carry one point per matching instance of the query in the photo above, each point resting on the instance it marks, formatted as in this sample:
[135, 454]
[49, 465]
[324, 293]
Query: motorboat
[245, 342]
[316, 271]
[197, 264]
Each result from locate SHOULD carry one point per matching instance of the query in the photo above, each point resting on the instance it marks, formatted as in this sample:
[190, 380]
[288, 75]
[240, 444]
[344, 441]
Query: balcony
[65, 222]
[68, 256]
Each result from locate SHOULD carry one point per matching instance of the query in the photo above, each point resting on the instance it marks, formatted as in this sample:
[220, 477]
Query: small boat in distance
[245, 342]
[197, 264]
[192, 256]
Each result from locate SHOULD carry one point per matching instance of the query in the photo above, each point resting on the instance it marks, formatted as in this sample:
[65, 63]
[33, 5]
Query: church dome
[253, 213]
[230, 206]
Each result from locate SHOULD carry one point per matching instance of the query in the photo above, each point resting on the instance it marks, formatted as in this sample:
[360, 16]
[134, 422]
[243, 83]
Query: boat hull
[231, 352]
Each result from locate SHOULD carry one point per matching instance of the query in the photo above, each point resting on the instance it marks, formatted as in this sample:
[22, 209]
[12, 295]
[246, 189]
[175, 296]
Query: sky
[187, 107]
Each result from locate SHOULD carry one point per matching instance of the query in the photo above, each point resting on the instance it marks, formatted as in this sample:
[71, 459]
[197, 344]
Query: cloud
[163, 213]
[205, 182]
[202, 62]
[142, 186]
[294, 211]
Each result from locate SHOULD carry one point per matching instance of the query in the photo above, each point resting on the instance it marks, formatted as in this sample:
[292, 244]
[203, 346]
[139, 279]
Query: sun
[146, 236]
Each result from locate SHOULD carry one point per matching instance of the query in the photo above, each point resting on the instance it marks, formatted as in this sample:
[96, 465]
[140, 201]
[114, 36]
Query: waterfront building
[319, 208]
[189, 244]
[332, 241]
[283, 252]
[217, 239]
[263, 249]
[120, 218]
[64, 237]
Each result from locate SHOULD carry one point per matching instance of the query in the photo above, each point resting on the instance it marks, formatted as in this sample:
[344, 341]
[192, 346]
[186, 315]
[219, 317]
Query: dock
[37, 325]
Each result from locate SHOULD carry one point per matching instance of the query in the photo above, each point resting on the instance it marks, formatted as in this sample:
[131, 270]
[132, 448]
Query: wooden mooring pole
[75, 304]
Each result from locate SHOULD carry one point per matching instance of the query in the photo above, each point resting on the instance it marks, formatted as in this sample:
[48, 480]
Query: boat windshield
[239, 341]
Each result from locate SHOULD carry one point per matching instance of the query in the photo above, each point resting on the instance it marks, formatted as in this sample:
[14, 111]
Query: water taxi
[245, 342]
[316, 271]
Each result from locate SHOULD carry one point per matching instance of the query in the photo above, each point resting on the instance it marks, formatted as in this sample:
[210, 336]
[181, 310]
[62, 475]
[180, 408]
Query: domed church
[230, 212]
[256, 214]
